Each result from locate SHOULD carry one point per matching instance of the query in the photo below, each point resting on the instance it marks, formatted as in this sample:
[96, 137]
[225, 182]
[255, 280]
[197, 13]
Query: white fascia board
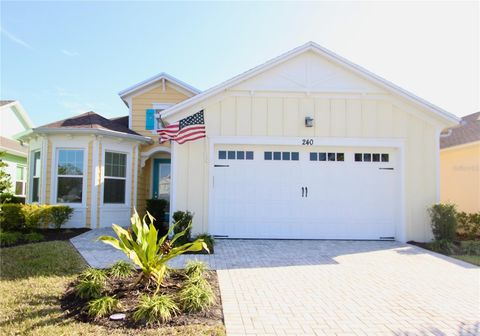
[132, 89]
[310, 46]
[91, 131]
[13, 151]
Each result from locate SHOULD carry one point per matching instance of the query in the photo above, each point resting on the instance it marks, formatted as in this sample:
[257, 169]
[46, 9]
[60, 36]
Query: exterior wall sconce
[308, 122]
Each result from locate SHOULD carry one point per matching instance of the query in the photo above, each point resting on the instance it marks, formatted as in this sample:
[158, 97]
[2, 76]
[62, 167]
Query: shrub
[149, 252]
[33, 237]
[103, 306]
[155, 308]
[183, 222]
[36, 215]
[9, 198]
[94, 274]
[195, 268]
[11, 217]
[444, 221]
[196, 297]
[471, 248]
[121, 269]
[157, 208]
[89, 289]
[469, 224]
[208, 239]
[443, 246]
[60, 214]
[9, 238]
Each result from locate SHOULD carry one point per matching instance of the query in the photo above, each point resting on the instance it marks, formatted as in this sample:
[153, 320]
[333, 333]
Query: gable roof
[468, 131]
[155, 79]
[19, 111]
[331, 56]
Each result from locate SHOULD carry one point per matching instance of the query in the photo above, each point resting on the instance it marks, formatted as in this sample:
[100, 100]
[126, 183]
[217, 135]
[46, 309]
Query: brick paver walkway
[334, 287]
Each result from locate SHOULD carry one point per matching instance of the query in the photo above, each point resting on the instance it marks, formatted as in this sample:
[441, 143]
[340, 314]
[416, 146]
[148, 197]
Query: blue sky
[64, 58]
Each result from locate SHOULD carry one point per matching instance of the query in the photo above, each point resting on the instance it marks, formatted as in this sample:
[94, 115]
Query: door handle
[303, 191]
[306, 191]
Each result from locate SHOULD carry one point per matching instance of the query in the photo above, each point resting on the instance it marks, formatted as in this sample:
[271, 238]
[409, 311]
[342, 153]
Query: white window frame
[33, 176]
[24, 180]
[84, 177]
[115, 177]
[128, 185]
[159, 107]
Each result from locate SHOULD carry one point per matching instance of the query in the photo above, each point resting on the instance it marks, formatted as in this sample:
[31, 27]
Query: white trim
[144, 156]
[128, 180]
[329, 55]
[88, 131]
[94, 191]
[130, 112]
[161, 106]
[158, 78]
[43, 171]
[438, 131]
[54, 173]
[173, 180]
[135, 176]
[398, 143]
[20, 113]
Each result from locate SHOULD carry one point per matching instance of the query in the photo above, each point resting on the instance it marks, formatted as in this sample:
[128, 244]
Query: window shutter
[150, 119]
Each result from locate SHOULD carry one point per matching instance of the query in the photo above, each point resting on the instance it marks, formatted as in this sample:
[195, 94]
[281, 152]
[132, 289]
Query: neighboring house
[307, 145]
[460, 164]
[14, 121]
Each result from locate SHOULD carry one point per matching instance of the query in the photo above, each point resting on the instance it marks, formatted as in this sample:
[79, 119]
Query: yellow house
[460, 164]
[307, 145]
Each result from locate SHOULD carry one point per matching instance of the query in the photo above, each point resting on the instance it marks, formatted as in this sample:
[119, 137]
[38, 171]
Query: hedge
[32, 216]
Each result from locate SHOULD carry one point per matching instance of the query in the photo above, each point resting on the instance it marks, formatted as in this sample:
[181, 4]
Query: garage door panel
[346, 199]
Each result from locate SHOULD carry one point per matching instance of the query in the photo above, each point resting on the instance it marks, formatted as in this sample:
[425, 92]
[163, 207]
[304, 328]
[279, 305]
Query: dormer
[147, 99]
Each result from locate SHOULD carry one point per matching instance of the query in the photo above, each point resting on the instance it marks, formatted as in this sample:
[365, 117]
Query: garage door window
[235, 155]
[283, 156]
[372, 157]
[327, 156]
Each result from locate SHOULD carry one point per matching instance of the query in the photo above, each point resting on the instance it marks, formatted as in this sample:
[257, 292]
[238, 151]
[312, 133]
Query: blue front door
[161, 179]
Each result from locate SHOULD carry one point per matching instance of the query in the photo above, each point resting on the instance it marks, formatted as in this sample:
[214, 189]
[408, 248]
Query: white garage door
[309, 193]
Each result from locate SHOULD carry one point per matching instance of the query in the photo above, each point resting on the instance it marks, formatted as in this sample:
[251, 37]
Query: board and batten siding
[337, 116]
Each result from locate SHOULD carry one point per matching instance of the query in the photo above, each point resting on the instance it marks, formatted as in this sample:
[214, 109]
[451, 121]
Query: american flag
[187, 129]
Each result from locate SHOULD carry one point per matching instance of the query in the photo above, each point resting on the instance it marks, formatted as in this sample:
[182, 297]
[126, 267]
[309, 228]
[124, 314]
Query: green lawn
[33, 278]
[472, 259]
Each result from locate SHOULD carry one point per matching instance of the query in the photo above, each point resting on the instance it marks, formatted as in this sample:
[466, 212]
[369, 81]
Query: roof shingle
[468, 131]
[94, 121]
[5, 102]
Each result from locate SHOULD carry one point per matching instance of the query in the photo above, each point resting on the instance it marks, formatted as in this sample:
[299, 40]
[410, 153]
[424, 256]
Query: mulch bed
[53, 234]
[76, 308]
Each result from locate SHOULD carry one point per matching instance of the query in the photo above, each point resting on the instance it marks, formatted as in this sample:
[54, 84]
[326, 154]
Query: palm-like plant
[150, 252]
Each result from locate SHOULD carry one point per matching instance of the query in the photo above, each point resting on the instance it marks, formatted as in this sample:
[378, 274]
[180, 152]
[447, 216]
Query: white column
[94, 182]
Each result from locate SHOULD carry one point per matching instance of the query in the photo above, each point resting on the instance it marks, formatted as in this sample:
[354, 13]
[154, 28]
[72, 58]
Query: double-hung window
[20, 180]
[35, 176]
[115, 178]
[70, 176]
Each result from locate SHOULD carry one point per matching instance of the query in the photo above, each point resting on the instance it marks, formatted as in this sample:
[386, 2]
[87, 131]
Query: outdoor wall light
[308, 122]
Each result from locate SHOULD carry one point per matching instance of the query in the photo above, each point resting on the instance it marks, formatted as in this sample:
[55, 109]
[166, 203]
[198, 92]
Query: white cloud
[15, 39]
[69, 52]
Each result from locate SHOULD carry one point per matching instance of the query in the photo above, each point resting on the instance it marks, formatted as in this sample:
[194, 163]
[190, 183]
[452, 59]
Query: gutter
[84, 131]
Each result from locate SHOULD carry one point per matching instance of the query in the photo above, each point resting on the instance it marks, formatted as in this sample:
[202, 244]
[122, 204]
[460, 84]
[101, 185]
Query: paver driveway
[291, 287]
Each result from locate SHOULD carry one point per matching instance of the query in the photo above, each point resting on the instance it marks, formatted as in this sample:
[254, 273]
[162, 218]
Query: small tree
[444, 221]
[5, 179]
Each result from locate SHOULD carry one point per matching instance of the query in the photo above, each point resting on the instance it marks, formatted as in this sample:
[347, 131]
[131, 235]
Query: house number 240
[307, 142]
